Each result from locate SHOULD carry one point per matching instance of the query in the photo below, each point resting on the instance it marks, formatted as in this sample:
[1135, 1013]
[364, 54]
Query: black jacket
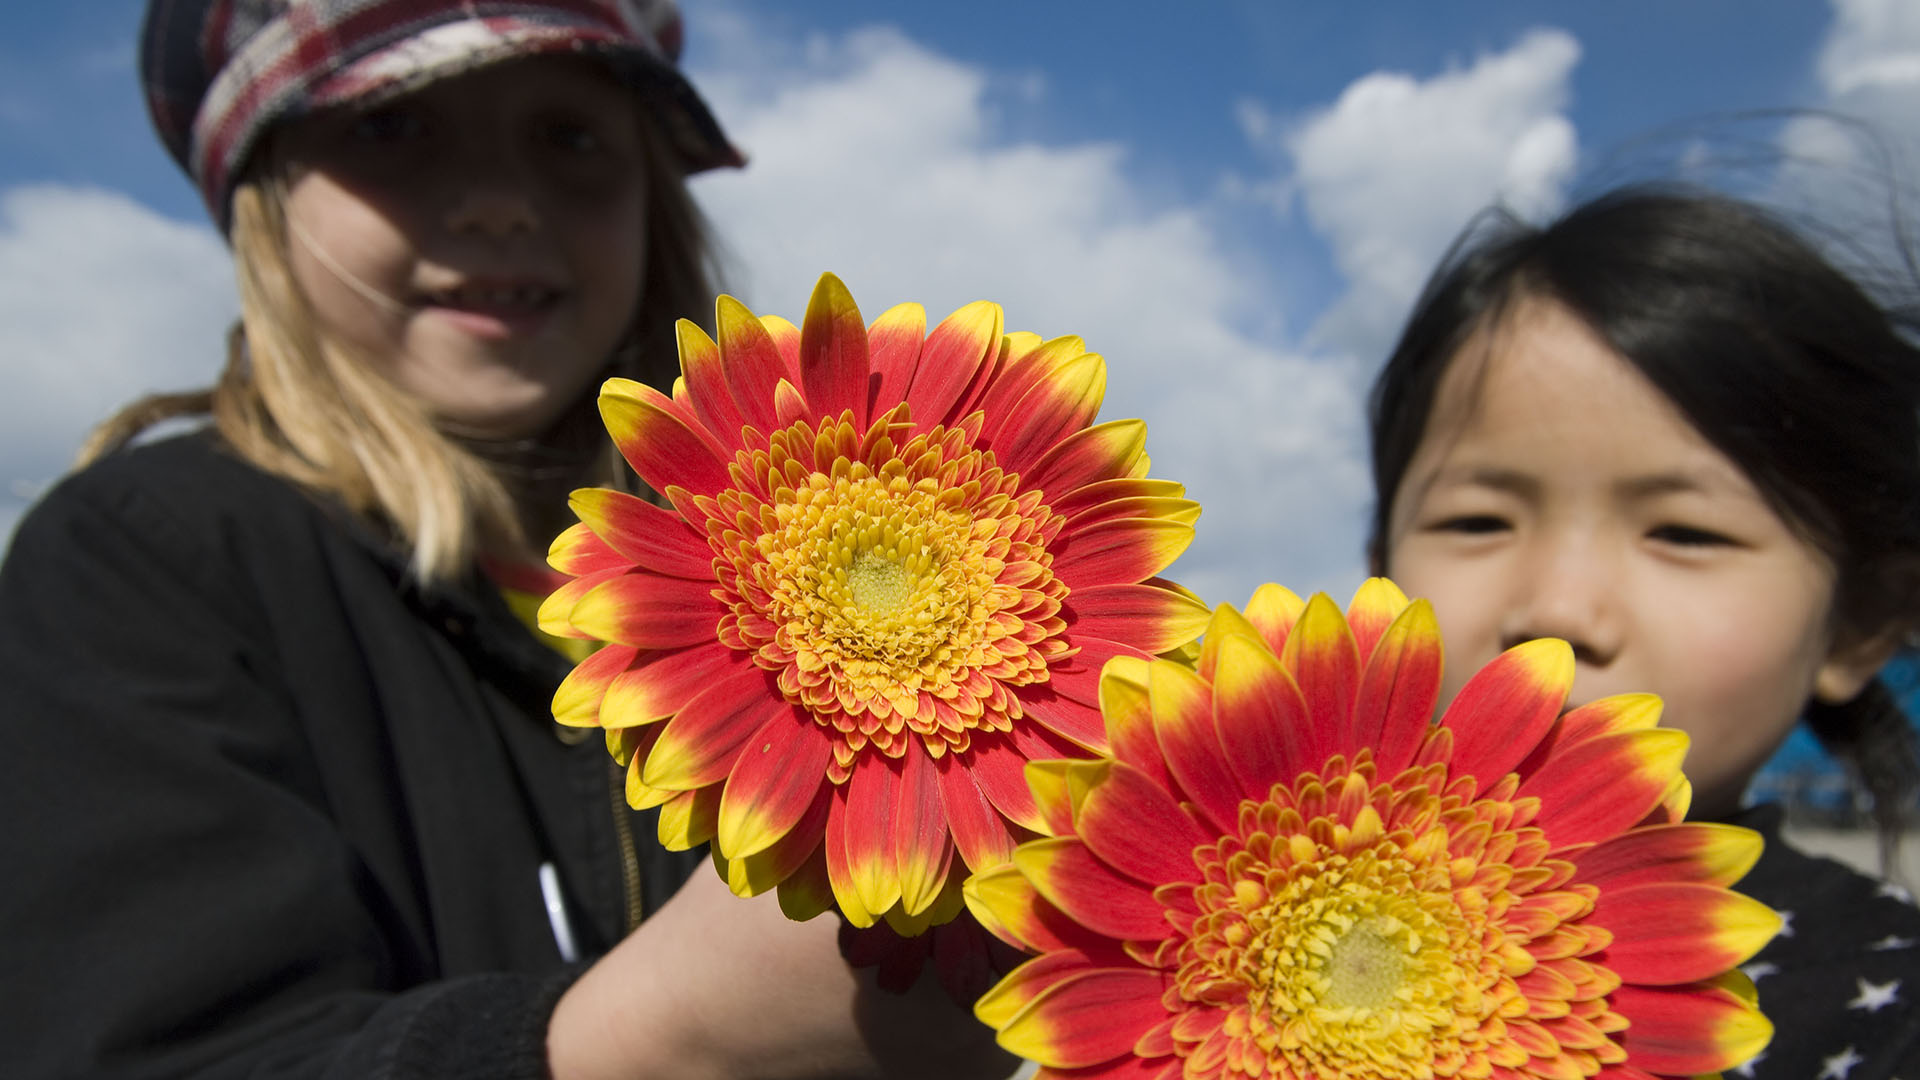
[266, 808]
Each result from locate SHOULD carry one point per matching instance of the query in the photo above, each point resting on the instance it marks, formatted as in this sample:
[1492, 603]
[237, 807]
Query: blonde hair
[300, 405]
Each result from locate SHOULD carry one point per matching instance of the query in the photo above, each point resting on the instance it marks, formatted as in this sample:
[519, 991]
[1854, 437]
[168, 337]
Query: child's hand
[714, 986]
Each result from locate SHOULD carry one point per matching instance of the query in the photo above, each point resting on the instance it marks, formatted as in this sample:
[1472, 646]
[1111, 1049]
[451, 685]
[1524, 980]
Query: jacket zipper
[623, 838]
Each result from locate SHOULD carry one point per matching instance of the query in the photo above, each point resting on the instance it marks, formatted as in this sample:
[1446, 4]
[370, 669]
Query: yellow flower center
[1360, 930]
[896, 590]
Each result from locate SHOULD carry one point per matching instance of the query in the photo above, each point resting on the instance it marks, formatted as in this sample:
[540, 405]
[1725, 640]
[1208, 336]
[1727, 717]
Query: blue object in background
[1813, 786]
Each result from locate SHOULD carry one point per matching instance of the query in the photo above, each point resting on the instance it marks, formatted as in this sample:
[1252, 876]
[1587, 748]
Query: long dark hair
[1781, 361]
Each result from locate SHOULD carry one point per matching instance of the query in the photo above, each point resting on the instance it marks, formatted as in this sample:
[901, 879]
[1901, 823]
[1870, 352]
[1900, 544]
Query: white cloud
[101, 300]
[883, 161]
[1393, 169]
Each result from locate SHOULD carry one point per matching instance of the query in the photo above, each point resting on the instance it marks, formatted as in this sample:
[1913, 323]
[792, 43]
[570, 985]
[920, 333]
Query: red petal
[1088, 1019]
[979, 832]
[1706, 852]
[1148, 618]
[1274, 609]
[922, 851]
[1687, 1031]
[1375, 605]
[657, 443]
[1078, 677]
[772, 782]
[1139, 829]
[753, 364]
[578, 551]
[950, 359]
[1121, 551]
[999, 770]
[698, 746]
[1183, 722]
[1261, 718]
[706, 381]
[893, 349]
[873, 798]
[1399, 689]
[1064, 401]
[833, 353]
[647, 535]
[1507, 707]
[660, 683]
[1089, 503]
[1128, 709]
[1677, 932]
[577, 702]
[1325, 664]
[649, 611]
[799, 845]
[1604, 786]
[1022, 372]
[1089, 892]
[1078, 722]
[1102, 452]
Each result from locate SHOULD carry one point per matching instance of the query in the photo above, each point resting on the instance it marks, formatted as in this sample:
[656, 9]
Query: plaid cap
[219, 74]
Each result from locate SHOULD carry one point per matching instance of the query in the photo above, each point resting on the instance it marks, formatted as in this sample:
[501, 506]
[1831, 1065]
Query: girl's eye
[1471, 524]
[572, 136]
[393, 124]
[1688, 536]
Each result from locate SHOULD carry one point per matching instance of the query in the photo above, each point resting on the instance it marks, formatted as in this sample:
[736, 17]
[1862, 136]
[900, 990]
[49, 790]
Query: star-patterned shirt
[1841, 982]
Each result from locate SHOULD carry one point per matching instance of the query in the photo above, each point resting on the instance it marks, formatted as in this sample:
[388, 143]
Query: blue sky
[1233, 201]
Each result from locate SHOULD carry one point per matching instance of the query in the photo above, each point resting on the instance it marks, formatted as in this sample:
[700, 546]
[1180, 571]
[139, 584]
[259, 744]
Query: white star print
[1756, 972]
[1839, 1065]
[1786, 923]
[1745, 1068]
[1890, 942]
[1888, 888]
[1875, 997]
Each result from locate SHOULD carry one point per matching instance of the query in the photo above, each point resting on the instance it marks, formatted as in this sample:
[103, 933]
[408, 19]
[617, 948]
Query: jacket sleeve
[176, 899]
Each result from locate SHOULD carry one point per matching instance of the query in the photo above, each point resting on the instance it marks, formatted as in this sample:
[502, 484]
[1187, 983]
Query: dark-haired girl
[1667, 430]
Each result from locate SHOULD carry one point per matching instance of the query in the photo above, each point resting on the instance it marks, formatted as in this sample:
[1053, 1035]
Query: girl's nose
[490, 207]
[1568, 593]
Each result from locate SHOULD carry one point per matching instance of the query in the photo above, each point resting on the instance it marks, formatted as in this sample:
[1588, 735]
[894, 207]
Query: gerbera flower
[894, 564]
[1284, 870]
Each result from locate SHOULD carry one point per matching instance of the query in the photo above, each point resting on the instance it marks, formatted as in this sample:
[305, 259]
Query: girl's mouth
[495, 310]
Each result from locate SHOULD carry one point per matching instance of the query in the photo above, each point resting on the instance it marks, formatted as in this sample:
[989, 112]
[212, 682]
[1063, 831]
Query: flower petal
[1399, 689]
[1064, 401]
[1603, 786]
[1120, 551]
[922, 851]
[577, 702]
[752, 362]
[1128, 709]
[1325, 664]
[1676, 932]
[1102, 452]
[1507, 707]
[706, 381]
[1374, 607]
[1089, 892]
[657, 443]
[1688, 1030]
[1183, 721]
[1011, 909]
[688, 818]
[1078, 677]
[1706, 852]
[1024, 983]
[1274, 609]
[1090, 502]
[649, 611]
[1087, 1019]
[772, 782]
[893, 350]
[1138, 828]
[980, 833]
[1143, 616]
[649, 536]
[698, 746]
[752, 875]
[659, 683]
[833, 353]
[555, 615]
[1261, 717]
[873, 798]
[1025, 368]
[998, 768]
[840, 873]
[578, 551]
[951, 358]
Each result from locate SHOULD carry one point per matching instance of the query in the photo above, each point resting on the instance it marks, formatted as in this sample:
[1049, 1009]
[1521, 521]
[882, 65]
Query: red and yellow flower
[893, 565]
[1285, 870]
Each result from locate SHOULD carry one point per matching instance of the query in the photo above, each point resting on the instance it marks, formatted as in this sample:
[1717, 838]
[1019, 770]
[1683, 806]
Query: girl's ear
[1849, 668]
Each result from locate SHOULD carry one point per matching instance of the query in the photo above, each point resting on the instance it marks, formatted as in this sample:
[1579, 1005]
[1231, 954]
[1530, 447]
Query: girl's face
[1557, 493]
[480, 240]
